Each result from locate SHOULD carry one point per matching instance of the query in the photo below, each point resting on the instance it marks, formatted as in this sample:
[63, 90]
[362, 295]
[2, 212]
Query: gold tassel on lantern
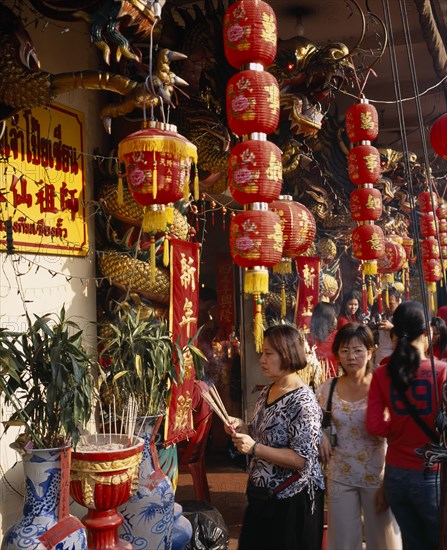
[258, 331]
[370, 267]
[154, 178]
[196, 183]
[283, 267]
[152, 259]
[432, 292]
[169, 213]
[370, 293]
[120, 198]
[186, 188]
[166, 251]
[283, 300]
[256, 280]
[154, 219]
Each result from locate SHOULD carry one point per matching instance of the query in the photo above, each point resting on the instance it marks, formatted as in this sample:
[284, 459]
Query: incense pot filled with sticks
[104, 475]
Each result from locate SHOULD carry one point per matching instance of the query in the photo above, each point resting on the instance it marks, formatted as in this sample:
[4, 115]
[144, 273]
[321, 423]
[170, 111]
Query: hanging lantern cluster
[431, 263]
[255, 169]
[368, 241]
[158, 163]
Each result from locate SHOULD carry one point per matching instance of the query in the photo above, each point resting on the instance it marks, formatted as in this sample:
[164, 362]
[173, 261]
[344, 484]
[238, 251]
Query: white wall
[58, 52]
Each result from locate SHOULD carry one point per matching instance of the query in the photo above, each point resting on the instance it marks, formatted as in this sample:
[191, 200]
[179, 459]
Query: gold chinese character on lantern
[372, 202]
[371, 162]
[366, 121]
[277, 237]
[376, 242]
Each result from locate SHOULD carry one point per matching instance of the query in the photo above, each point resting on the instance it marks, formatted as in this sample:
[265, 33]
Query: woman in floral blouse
[355, 466]
[285, 488]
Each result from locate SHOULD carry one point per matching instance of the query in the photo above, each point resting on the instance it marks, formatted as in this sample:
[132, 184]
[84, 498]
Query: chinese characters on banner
[225, 298]
[183, 314]
[308, 270]
[42, 182]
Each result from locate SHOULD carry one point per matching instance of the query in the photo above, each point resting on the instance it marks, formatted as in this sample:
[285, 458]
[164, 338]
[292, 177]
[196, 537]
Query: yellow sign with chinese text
[42, 182]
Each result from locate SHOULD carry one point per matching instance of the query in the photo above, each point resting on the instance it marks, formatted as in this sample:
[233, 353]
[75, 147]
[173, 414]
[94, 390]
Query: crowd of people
[355, 446]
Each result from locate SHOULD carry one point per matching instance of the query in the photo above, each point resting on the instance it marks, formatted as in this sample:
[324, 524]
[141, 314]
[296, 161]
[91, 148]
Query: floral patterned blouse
[359, 458]
[294, 421]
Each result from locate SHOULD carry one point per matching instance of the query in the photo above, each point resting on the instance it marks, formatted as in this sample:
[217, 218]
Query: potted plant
[140, 360]
[46, 376]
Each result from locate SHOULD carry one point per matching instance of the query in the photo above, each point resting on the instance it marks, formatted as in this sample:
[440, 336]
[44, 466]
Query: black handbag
[326, 423]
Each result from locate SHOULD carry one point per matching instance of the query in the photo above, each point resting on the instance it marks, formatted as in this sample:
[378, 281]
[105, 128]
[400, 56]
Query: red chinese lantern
[442, 226]
[366, 204]
[363, 164]
[362, 122]
[250, 33]
[438, 136]
[256, 240]
[298, 227]
[368, 244]
[428, 202]
[158, 164]
[427, 225]
[432, 272]
[255, 171]
[430, 249]
[252, 102]
[394, 258]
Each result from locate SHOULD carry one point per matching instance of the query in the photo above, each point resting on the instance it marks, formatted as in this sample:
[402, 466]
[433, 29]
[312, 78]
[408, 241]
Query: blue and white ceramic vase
[149, 514]
[39, 527]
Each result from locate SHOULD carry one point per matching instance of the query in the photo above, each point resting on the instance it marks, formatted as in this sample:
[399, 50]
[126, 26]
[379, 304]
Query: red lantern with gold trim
[443, 239]
[368, 242]
[427, 225]
[255, 171]
[298, 226]
[158, 165]
[425, 202]
[362, 122]
[366, 204]
[363, 164]
[442, 226]
[430, 249]
[394, 258]
[252, 102]
[256, 238]
[432, 270]
[438, 136]
[250, 33]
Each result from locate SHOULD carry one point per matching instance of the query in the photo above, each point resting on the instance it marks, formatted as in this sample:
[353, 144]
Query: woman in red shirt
[350, 310]
[405, 383]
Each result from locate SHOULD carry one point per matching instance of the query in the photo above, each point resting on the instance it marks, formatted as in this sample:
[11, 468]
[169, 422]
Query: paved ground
[227, 487]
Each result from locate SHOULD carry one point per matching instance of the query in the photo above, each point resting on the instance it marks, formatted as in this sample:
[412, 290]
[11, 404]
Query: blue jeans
[413, 496]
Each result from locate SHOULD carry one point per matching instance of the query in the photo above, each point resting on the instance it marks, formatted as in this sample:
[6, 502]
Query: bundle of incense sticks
[214, 400]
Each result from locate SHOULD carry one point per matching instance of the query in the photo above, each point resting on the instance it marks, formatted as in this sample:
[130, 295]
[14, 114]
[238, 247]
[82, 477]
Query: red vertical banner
[225, 297]
[308, 270]
[183, 315]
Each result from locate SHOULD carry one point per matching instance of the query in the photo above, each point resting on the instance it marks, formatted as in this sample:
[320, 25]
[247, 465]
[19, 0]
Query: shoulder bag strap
[331, 392]
[415, 416]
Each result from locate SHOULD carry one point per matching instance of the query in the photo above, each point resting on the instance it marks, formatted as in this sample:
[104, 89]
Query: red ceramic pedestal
[102, 530]
[102, 481]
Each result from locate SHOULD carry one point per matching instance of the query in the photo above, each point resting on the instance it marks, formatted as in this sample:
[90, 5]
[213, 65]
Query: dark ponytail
[409, 324]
